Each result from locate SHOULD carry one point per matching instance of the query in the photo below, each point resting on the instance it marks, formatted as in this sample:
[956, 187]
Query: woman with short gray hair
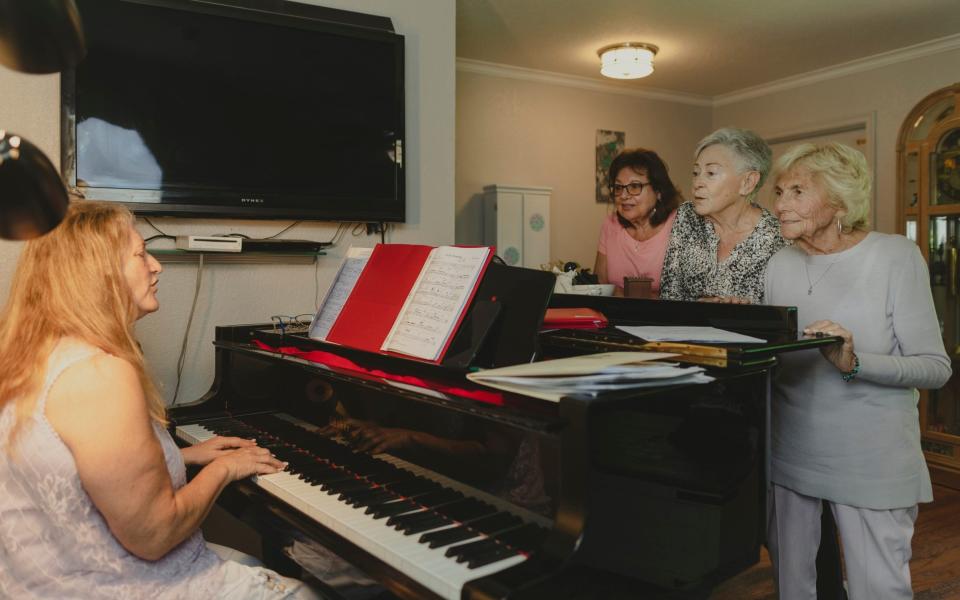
[845, 427]
[721, 240]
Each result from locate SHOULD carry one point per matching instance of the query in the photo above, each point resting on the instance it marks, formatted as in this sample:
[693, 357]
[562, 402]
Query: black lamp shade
[40, 36]
[33, 199]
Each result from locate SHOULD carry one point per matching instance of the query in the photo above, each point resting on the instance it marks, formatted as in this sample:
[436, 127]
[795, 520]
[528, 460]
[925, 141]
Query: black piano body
[653, 494]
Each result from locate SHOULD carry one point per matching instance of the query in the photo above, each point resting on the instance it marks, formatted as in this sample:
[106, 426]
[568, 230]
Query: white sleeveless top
[54, 543]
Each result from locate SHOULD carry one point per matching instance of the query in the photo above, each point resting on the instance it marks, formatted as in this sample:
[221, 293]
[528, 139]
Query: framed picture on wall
[609, 145]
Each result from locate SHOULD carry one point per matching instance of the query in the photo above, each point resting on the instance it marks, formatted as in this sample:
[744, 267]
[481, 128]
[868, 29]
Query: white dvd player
[209, 243]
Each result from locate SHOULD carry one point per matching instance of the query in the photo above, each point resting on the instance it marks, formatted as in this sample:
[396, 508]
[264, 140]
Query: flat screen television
[239, 108]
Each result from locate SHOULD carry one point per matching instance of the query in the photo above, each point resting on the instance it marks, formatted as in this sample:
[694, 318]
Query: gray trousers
[876, 547]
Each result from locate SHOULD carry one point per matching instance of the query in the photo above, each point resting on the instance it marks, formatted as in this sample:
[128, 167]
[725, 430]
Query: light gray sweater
[857, 443]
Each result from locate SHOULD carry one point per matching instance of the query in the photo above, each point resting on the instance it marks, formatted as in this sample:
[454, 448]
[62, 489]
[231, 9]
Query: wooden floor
[935, 566]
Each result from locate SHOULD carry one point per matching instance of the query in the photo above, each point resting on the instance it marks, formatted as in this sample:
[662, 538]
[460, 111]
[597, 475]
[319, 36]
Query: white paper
[575, 365]
[671, 333]
[436, 301]
[591, 374]
[336, 296]
[554, 394]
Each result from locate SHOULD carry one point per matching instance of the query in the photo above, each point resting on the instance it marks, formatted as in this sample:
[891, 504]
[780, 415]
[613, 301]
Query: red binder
[380, 293]
[574, 318]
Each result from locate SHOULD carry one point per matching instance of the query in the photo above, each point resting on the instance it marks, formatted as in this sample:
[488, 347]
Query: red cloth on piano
[332, 360]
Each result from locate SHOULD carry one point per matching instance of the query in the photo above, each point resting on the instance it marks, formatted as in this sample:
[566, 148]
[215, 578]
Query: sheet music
[436, 301]
[333, 301]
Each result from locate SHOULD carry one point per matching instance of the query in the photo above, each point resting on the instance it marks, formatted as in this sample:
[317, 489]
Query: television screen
[187, 108]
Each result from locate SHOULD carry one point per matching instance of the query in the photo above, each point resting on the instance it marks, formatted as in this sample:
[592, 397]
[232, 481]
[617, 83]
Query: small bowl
[594, 289]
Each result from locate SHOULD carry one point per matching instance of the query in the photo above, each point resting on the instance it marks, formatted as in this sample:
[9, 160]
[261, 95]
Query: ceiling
[707, 47]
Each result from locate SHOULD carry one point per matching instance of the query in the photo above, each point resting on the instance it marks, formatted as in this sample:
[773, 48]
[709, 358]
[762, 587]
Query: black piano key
[496, 522]
[525, 538]
[413, 487]
[393, 508]
[437, 497]
[334, 477]
[349, 496]
[409, 517]
[390, 477]
[466, 509]
[438, 539]
[492, 556]
[433, 522]
[467, 551]
[374, 504]
[381, 497]
[347, 485]
[316, 471]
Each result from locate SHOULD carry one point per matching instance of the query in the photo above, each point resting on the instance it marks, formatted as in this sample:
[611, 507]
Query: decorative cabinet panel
[517, 222]
[928, 211]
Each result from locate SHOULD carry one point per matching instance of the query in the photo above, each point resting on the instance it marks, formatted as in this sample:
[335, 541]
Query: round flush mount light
[627, 60]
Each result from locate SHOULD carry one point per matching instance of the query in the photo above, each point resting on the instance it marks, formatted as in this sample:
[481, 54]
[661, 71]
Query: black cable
[157, 237]
[157, 229]
[270, 237]
[186, 333]
[383, 233]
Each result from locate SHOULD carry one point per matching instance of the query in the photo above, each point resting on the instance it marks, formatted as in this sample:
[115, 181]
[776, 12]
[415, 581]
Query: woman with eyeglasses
[634, 238]
[722, 240]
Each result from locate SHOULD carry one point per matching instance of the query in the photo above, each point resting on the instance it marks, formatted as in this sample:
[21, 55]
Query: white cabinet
[516, 221]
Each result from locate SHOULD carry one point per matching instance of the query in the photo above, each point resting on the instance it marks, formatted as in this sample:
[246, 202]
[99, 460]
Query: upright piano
[468, 492]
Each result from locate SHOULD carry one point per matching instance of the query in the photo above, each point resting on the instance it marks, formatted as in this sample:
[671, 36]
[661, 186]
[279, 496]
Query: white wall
[231, 294]
[889, 93]
[527, 133]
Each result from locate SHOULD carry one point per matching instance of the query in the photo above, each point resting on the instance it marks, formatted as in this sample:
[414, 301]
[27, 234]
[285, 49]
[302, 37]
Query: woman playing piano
[845, 424]
[93, 493]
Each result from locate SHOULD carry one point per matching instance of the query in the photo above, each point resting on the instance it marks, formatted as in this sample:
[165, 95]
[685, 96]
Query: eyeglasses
[634, 188]
[286, 324]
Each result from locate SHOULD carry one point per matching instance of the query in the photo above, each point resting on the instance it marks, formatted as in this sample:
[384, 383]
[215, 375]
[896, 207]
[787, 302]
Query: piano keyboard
[437, 531]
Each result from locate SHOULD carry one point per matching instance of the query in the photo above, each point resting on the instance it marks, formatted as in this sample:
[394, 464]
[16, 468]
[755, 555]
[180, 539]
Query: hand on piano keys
[438, 531]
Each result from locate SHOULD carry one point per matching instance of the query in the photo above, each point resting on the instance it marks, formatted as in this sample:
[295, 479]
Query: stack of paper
[591, 374]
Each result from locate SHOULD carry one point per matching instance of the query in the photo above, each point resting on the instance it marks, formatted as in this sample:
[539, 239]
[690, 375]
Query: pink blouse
[626, 257]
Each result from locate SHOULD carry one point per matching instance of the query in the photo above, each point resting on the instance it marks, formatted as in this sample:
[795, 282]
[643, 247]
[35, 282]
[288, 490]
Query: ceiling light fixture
[627, 60]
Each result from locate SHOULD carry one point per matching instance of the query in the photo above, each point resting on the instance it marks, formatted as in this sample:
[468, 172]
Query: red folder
[574, 318]
[379, 295]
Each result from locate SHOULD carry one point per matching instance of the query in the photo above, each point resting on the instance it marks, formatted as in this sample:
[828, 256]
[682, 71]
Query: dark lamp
[32, 197]
[36, 36]
[40, 36]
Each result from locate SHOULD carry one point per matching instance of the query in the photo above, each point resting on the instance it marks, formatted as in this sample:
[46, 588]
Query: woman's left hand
[205, 452]
[841, 355]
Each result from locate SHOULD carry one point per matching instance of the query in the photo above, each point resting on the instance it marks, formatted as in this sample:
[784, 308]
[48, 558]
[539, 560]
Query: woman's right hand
[244, 462]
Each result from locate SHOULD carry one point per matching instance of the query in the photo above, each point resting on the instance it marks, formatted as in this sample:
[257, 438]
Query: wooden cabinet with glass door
[928, 212]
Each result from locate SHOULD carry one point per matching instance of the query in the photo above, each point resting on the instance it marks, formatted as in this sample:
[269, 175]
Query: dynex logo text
[251, 200]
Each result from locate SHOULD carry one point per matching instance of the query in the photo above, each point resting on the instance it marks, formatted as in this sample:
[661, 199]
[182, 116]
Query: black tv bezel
[277, 12]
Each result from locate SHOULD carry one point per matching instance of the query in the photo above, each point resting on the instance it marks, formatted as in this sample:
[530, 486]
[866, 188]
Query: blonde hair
[70, 282]
[841, 170]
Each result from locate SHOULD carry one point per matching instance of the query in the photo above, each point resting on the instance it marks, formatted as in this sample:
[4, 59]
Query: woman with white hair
[845, 427]
[721, 239]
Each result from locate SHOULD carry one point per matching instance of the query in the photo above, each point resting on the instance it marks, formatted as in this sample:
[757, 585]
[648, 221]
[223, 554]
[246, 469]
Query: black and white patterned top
[691, 270]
